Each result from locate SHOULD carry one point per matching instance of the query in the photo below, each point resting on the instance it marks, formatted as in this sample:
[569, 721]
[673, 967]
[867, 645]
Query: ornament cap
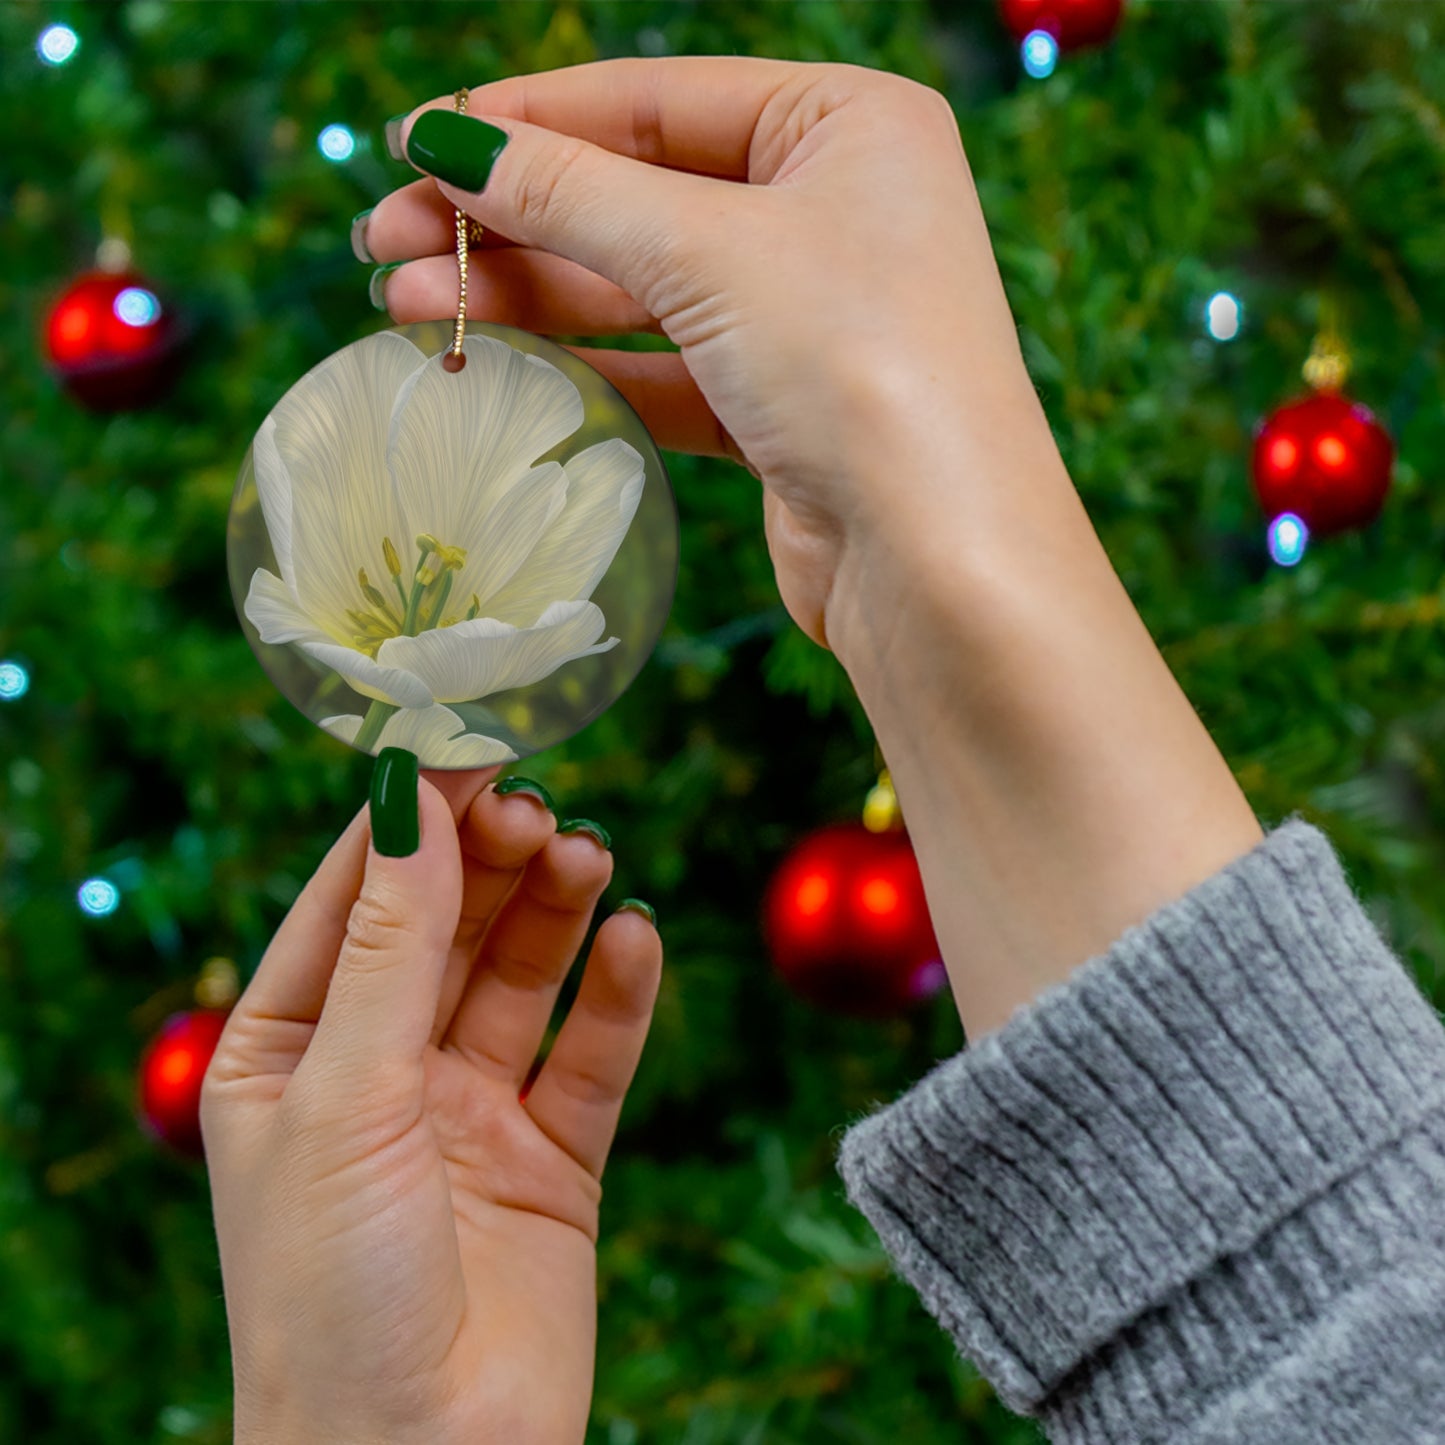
[219, 984]
[1328, 365]
[113, 254]
[881, 813]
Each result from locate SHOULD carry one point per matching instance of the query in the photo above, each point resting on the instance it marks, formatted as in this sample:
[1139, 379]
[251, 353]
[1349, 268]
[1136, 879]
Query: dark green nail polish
[395, 820]
[377, 287]
[586, 825]
[636, 905]
[392, 132]
[455, 148]
[526, 785]
[358, 237]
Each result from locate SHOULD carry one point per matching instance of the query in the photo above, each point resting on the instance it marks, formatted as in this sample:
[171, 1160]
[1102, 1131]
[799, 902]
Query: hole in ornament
[454, 361]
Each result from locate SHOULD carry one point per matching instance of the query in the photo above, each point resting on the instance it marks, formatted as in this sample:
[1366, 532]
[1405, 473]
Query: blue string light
[1040, 52]
[1223, 316]
[57, 44]
[1288, 538]
[137, 307]
[336, 143]
[14, 681]
[98, 897]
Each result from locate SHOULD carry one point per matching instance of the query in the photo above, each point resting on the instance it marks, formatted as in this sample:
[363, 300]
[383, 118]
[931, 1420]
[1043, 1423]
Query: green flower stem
[372, 724]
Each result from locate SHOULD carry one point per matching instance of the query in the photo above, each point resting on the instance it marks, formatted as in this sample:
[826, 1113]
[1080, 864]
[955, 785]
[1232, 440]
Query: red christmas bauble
[1073, 23]
[1324, 458]
[847, 924]
[112, 341]
[171, 1072]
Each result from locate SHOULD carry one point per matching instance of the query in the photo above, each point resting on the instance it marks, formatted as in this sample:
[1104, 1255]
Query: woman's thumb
[382, 999]
[623, 219]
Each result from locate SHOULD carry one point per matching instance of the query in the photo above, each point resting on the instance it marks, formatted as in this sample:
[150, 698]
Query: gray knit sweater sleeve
[1195, 1193]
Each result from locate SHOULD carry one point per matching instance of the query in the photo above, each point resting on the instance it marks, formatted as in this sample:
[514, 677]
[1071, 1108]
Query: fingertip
[434, 809]
[394, 807]
[394, 131]
[460, 786]
[630, 964]
[633, 945]
[636, 905]
[505, 831]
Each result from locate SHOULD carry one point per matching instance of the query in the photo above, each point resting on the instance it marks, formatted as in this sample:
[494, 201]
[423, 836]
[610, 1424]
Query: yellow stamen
[452, 557]
[475, 608]
[393, 562]
[426, 576]
[373, 595]
[370, 624]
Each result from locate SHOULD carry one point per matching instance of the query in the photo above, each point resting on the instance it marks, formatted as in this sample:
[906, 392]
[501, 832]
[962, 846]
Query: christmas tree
[1179, 215]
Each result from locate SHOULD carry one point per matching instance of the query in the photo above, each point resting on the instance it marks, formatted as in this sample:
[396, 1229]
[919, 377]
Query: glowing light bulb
[336, 143]
[137, 307]
[1223, 316]
[14, 681]
[57, 44]
[1040, 52]
[1288, 537]
[98, 897]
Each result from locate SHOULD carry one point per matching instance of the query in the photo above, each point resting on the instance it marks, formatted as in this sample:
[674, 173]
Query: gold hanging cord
[467, 231]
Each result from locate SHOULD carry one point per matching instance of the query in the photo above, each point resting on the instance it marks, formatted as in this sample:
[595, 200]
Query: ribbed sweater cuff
[1143, 1165]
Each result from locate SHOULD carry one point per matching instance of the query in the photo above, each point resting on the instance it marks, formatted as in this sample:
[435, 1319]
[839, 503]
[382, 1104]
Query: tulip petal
[460, 440]
[471, 660]
[274, 612]
[273, 486]
[370, 678]
[435, 734]
[330, 434]
[507, 535]
[604, 486]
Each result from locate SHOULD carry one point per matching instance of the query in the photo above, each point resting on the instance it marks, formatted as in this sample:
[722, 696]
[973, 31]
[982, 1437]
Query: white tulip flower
[423, 555]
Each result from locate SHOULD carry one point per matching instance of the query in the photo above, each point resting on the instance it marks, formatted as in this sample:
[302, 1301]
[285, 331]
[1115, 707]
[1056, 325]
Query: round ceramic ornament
[470, 559]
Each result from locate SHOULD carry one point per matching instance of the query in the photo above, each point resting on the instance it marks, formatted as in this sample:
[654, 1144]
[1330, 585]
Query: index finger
[687, 112]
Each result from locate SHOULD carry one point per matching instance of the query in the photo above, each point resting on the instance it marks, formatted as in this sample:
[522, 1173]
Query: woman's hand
[810, 237]
[831, 311]
[408, 1247]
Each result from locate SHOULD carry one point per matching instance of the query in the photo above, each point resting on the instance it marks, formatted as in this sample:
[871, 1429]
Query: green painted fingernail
[393, 136]
[455, 148]
[395, 813]
[377, 288]
[636, 905]
[586, 825]
[358, 236]
[526, 785]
